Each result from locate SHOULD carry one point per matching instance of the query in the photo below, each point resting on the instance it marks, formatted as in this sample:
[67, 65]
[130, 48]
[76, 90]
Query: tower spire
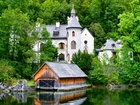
[72, 11]
[72, 5]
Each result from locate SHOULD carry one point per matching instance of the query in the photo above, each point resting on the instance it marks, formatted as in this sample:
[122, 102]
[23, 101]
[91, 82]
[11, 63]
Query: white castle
[70, 38]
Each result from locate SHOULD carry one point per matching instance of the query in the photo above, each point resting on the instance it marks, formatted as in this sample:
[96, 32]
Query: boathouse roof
[64, 70]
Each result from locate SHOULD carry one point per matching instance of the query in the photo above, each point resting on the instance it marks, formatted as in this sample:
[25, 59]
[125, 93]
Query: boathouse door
[46, 83]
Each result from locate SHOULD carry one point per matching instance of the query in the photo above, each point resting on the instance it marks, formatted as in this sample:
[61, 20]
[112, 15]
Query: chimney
[57, 24]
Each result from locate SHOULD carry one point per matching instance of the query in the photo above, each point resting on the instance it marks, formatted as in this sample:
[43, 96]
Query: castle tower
[73, 35]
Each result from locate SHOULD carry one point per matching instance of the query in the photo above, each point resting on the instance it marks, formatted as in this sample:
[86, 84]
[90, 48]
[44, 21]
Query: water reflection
[116, 97]
[21, 97]
[60, 98]
[43, 98]
[93, 96]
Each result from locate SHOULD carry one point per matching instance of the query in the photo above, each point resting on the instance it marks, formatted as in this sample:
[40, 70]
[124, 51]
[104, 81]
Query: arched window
[67, 34]
[85, 51]
[73, 33]
[61, 45]
[68, 57]
[61, 57]
[73, 45]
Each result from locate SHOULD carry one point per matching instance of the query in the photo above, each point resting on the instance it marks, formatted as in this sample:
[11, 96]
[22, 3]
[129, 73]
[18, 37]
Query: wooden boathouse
[59, 76]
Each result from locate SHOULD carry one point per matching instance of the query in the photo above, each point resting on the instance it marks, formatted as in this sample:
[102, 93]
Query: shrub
[6, 71]
[97, 77]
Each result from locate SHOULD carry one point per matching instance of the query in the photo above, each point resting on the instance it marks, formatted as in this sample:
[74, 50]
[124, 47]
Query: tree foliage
[6, 71]
[48, 52]
[130, 29]
[83, 60]
[17, 39]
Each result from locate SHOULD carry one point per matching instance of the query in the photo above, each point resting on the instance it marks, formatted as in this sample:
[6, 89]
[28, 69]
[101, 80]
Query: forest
[116, 19]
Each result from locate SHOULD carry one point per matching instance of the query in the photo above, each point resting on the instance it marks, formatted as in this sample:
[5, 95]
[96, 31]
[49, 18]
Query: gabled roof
[85, 29]
[62, 31]
[110, 45]
[64, 70]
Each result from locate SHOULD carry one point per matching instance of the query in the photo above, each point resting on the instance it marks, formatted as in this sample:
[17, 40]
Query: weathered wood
[72, 81]
[44, 72]
[52, 80]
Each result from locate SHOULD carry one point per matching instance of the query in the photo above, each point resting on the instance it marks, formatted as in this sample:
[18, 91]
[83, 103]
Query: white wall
[105, 56]
[90, 41]
[76, 38]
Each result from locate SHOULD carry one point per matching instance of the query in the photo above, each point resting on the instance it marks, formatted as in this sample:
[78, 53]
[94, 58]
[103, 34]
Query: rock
[117, 86]
[2, 95]
[21, 86]
[2, 86]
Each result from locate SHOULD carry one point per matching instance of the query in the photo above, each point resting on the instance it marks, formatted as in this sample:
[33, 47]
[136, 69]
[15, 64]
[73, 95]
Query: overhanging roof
[64, 70]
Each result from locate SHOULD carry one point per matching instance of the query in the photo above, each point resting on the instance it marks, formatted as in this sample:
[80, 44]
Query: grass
[30, 83]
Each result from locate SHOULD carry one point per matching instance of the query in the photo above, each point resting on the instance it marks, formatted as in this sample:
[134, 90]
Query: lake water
[78, 97]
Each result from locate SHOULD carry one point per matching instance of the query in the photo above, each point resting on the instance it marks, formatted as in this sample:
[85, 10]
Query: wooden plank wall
[71, 81]
[45, 73]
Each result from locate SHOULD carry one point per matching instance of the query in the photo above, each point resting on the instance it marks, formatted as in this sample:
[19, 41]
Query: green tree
[83, 60]
[130, 30]
[3, 6]
[99, 34]
[52, 11]
[17, 40]
[48, 51]
[97, 75]
[129, 68]
[22, 5]
[104, 19]
[6, 71]
[34, 9]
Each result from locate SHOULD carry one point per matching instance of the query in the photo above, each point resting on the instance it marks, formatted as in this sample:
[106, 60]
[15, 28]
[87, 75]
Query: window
[85, 51]
[73, 33]
[67, 34]
[73, 45]
[73, 55]
[114, 54]
[85, 41]
[55, 33]
[68, 57]
[113, 45]
[61, 45]
[61, 57]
